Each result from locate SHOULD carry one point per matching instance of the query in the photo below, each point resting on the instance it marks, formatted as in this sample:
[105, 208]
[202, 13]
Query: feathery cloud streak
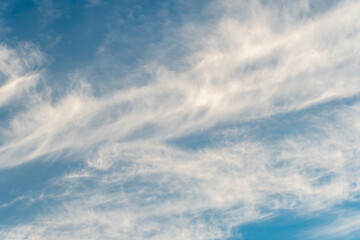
[250, 64]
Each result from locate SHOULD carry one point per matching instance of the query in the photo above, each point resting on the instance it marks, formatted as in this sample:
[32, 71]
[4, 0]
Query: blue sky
[231, 119]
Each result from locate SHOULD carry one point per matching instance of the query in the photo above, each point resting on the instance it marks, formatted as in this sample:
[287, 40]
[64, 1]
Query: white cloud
[140, 190]
[19, 71]
[345, 226]
[247, 68]
[244, 70]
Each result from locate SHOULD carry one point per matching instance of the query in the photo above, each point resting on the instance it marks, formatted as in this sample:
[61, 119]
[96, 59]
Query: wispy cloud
[244, 70]
[240, 68]
[19, 70]
[347, 226]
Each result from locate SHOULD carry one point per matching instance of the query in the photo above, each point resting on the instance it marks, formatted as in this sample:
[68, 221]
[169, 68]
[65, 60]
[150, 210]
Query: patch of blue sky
[29, 190]
[109, 36]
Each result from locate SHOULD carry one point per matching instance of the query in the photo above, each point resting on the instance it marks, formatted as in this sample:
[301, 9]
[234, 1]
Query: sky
[193, 119]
